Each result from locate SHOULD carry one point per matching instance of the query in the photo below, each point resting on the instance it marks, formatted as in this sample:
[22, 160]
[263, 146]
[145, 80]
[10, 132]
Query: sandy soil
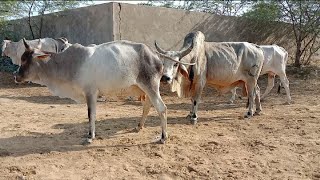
[41, 137]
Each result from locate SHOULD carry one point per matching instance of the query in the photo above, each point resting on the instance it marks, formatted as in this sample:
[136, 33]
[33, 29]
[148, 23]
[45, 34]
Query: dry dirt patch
[41, 137]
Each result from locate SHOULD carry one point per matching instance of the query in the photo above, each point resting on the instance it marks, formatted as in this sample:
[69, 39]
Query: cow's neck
[52, 75]
[49, 72]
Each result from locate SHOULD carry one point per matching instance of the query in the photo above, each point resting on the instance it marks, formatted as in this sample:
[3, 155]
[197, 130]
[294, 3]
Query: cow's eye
[175, 65]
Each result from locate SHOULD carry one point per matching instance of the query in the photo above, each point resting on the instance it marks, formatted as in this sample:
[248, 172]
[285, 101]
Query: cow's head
[30, 61]
[172, 68]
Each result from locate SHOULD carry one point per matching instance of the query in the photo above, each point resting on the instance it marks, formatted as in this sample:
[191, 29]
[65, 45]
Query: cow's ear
[183, 70]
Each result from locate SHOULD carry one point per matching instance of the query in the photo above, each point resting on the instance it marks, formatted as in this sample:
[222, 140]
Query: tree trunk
[297, 62]
[29, 20]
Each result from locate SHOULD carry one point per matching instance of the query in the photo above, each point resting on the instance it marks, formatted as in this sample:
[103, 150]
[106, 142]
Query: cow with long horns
[222, 65]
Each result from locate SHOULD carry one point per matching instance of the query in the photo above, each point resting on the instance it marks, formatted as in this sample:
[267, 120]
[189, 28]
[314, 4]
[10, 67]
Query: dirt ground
[41, 137]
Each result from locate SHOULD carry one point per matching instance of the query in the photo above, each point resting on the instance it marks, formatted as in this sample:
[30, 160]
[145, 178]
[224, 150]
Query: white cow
[81, 73]
[220, 65]
[275, 61]
[14, 50]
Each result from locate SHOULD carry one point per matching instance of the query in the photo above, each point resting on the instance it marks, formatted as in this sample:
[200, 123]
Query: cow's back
[119, 61]
[227, 61]
[274, 58]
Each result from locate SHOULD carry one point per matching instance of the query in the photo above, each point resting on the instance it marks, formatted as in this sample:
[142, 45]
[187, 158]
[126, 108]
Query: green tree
[264, 11]
[304, 17]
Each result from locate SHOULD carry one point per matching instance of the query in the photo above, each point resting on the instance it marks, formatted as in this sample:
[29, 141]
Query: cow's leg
[162, 110]
[195, 100]
[269, 86]
[284, 80]
[257, 101]
[91, 99]
[155, 98]
[146, 108]
[251, 88]
[233, 95]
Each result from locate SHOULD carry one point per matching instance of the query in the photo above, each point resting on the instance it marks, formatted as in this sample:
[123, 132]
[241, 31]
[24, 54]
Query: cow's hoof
[287, 103]
[248, 115]
[137, 129]
[189, 116]
[230, 102]
[193, 121]
[257, 113]
[87, 141]
[161, 141]
[164, 137]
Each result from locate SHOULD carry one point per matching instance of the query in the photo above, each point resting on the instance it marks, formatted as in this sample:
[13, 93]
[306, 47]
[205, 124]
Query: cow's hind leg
[146, 108]
[284, 80]
[269, 86]
[251, 93]
[91, 99]
[257, 101]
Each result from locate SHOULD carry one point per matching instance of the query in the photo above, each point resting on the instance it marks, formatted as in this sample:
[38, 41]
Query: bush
[6, 65]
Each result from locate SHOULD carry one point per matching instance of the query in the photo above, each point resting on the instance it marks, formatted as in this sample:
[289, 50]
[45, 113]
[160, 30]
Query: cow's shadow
[207, 105]
[73, 135]
[41, 99]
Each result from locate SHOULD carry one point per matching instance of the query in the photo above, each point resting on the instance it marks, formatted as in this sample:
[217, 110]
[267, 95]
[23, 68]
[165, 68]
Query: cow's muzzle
[17, 78]
[166, 79]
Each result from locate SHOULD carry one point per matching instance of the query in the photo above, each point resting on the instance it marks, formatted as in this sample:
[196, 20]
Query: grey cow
[220, 65]
[114, 68]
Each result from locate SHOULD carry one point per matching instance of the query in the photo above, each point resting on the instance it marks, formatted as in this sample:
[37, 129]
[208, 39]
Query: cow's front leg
[192, 116]
[91, 99]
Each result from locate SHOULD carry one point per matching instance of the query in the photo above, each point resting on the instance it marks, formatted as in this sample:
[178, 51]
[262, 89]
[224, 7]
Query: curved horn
[158, 48]
[168, 57]
[185, 51]
[39, 44]
[25, 44]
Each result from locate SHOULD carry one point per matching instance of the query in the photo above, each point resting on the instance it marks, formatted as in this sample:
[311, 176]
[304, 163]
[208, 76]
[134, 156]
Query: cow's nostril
[165, 78]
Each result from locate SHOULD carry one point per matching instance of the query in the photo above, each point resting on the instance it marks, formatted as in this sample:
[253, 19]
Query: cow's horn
[159, 49]
[25, 44]
[168, 57]
[185, 51]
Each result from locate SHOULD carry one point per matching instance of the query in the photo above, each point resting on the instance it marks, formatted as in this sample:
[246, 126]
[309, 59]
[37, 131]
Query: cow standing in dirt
[275, 62]
[220, 65]
[114, 68]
